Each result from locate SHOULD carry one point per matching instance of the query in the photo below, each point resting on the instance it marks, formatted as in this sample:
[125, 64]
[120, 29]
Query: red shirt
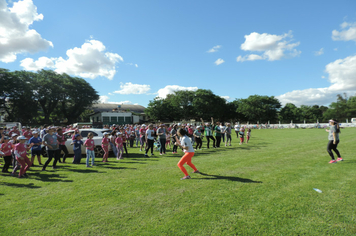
[21, 149]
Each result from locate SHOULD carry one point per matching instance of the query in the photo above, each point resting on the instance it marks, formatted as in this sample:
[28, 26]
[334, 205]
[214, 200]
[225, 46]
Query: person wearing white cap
[36, 149]
[20, 152]
[198, 138]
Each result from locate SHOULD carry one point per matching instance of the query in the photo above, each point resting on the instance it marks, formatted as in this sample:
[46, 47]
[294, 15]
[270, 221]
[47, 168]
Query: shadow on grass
[230, 178]
[48, 177]
[84, 171]
[30, 185]
[144, 159]
[119, 168]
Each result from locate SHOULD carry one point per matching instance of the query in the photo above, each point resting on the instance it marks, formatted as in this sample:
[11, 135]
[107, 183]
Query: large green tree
[260, 109]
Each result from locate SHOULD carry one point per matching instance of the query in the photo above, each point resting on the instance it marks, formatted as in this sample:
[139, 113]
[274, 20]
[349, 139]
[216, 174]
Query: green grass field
[261, 188]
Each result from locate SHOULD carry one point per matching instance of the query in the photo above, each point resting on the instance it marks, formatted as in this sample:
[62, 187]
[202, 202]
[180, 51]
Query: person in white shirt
[150, 139]
[188, 149]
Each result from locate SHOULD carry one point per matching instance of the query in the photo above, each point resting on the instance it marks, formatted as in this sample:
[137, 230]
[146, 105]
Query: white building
[108, 114]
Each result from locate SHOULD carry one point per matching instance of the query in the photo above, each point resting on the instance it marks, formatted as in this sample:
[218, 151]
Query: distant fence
[295, 126]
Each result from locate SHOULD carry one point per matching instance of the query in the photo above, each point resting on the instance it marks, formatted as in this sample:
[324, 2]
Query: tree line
[193, 105]
[44, 96]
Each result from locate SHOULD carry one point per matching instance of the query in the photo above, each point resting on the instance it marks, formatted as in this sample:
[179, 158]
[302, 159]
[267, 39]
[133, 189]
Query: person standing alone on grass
[333, 140]
[188, 150]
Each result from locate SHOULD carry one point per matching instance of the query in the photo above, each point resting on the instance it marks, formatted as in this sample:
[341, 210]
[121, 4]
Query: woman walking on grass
[333, 140]
[188, 149]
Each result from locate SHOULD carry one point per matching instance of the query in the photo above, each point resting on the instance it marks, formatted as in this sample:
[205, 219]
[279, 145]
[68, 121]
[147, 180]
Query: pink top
[27, 134]
[89, 143]
[119, 142]
[6, 148]
[105, 142]
[142, 132]
[21, 149]
[63, 139]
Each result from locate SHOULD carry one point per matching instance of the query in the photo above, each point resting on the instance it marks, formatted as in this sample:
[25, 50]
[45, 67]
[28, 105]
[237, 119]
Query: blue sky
[302, 52]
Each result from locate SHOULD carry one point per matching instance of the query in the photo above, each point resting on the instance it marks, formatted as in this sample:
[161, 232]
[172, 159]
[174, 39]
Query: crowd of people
[16, 145]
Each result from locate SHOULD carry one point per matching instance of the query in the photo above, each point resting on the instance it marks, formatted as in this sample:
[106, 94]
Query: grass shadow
[30, 185]
[84, 171]
[230, 178]
[49, 177]
[119, 168]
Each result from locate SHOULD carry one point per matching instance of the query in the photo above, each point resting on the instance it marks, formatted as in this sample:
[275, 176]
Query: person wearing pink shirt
[6, 148]
[119, 145]
[27, 133]
[20, 152]
[14, 131]
[89, 144]
[143, 136]
[105, 146]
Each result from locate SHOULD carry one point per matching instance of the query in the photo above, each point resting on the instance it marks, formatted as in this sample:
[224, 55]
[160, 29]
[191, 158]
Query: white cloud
[320, 52]
[42, 62]
[103, 99]
[169, 89]
[219, 61]
[272, 47]
[214, 49]
[227, 98]
[130, 88]
[136, 65]
[89, 61]
[16, 37]
[342, 74]
[347, 33]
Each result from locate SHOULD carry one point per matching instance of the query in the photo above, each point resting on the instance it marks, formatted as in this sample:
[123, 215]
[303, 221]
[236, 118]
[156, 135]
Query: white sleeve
[17, 154]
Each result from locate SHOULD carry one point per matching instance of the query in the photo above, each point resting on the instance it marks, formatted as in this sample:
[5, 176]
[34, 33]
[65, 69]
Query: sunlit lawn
[261, 188]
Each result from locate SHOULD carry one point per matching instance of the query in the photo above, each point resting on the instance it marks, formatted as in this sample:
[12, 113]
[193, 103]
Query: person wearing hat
[52, 148]
[36, 149]
[105, 145]
[77, 148]
[27, 133]
[20, 152]
[333, 137]
[6, 148]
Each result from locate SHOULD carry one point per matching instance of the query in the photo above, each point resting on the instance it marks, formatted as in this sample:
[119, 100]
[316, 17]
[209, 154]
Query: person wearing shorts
[36, 149]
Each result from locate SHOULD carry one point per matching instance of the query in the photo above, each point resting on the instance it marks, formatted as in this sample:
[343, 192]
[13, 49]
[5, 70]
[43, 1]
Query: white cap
[34, 132]
[198, 127]
[143, 125]
[21, 138]
[105, 133]
[13, 135]
[118, 133]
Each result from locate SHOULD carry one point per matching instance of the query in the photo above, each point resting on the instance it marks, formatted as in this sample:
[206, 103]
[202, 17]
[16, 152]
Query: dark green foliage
[26, 96]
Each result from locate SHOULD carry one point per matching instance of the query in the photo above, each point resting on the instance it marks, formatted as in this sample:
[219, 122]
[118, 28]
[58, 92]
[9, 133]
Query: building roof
[108, 107]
